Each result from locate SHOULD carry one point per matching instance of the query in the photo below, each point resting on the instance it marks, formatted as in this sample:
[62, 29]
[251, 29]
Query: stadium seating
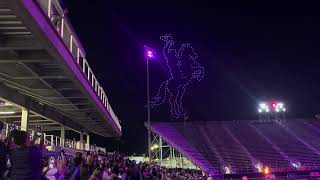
[241, 145]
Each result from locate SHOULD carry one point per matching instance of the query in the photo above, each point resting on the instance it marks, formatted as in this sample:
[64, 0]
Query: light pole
[149, 55]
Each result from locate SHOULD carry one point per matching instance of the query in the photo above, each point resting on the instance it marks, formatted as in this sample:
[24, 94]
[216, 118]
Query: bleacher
[241, 145]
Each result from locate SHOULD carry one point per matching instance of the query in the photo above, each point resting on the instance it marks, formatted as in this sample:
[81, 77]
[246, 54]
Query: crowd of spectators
[22, 158]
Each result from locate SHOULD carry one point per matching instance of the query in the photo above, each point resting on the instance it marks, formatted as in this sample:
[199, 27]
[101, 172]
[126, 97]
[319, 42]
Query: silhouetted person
[3, 153]
[25, 158]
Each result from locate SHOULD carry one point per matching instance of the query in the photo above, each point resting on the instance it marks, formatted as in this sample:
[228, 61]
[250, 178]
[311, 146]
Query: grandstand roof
[44, 69]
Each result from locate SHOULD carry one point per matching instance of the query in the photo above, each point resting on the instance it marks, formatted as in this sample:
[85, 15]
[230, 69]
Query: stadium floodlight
[272, 106]
[263, 107]
[149, 53]
[280, 107]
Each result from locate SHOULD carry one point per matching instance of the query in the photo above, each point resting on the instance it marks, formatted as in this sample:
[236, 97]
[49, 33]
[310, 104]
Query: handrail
[60, 21]
[52, 140]
[56, 141]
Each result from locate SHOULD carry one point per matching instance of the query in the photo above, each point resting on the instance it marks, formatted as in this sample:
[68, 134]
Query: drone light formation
[183, 70]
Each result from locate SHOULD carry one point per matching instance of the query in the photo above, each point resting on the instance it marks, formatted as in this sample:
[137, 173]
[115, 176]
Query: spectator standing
[97, 174]
[77, 162]
[62, 163]
[3, 154]
[90, 164]
[25, 158]
[84, 174]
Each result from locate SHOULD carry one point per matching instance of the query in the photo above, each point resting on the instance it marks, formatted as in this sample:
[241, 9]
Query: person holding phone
[51, 172]
[62, 163]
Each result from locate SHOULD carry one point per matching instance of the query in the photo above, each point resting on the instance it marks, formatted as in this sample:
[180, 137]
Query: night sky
[251, 51]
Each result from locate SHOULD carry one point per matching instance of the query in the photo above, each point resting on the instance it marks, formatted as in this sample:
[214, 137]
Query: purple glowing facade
[183, 70]
[241, 146]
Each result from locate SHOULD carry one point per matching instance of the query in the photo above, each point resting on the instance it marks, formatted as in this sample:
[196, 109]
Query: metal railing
[60, 21]
[55, 141]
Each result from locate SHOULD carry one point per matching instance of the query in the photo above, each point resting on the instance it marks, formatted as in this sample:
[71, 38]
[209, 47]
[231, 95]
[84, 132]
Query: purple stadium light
[149, 53]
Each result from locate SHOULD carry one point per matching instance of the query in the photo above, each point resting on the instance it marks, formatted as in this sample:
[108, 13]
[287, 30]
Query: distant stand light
[259, 166]
[272, 111]
[276, 107]
[266, 170]
[154, 147]
[227, 170]
[296, 165]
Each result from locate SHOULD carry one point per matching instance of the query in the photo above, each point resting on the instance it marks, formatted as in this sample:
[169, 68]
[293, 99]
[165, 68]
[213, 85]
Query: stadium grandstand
[46, 83]
[246, 147]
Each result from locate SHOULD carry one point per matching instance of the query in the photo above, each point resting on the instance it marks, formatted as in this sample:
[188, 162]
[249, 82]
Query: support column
[51, 141]
[160, 146]
[62, 136]
[171, 159]
[88, 142]
[173, 153]
[81, 141]
[24, 119]
[7, 130]
[174, 158]
[44, 137]
[181, 162]
[32, 133]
